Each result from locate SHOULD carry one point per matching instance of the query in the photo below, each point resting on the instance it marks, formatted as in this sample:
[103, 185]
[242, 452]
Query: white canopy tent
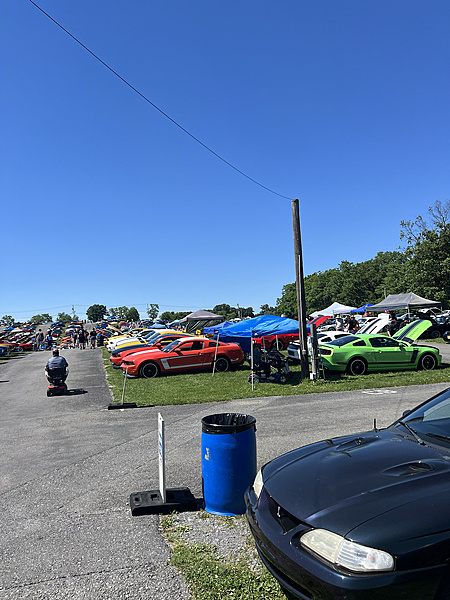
[334, 309]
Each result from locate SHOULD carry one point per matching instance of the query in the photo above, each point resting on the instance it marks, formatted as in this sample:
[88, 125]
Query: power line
[156, 107]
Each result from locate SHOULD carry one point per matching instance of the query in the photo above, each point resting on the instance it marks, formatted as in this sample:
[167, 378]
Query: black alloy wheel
[222, 364]
[149, 370]
[428, 362]
[357, 366]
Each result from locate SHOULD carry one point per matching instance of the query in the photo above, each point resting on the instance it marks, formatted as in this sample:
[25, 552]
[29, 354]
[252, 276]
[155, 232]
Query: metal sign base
[151, 502]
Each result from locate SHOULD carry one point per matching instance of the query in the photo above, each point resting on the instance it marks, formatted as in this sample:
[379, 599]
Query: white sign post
[162, 458]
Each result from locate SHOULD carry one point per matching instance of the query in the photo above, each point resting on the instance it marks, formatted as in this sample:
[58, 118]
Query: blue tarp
[242, 332]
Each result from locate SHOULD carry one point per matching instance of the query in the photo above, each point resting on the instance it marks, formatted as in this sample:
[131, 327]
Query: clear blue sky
[344, 105]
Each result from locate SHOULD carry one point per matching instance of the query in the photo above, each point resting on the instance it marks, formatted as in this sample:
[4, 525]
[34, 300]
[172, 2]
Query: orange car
[186, 354]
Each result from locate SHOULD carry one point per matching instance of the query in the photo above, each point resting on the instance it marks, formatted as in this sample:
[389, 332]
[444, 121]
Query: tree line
[422, 266]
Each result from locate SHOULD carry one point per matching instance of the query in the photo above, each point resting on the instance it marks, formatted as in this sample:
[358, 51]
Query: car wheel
[357, 366]
[277, 345]
[427, 362]
[149, 370]
[222, 364]
[283, 378]
[435, 334]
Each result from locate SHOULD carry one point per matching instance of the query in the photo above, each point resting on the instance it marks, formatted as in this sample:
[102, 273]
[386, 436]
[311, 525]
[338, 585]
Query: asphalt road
[68, 466]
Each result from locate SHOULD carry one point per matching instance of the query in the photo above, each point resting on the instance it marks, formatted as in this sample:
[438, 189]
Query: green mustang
[358, 354]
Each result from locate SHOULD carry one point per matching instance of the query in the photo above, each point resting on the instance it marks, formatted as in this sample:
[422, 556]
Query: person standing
[81, 338]
[352, 324]
[39, 339]
[93, 337]
[393, 325]
[48, 341]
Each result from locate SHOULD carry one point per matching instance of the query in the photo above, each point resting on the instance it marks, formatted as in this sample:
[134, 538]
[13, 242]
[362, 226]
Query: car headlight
[258, 484]
[352, 556]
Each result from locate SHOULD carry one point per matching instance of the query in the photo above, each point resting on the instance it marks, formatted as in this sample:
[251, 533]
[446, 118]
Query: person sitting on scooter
[56, 361]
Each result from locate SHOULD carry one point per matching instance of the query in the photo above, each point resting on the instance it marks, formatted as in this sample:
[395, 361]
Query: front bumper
[308, 578]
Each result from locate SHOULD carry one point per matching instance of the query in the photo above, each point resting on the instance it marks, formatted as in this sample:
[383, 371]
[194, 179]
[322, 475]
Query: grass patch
[197, 388]
[214, 577]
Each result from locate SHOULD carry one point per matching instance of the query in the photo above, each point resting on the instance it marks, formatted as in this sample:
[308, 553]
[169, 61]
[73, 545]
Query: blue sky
[344, 105]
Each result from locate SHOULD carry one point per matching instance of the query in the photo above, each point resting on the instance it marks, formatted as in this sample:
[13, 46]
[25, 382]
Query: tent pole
[215, 354]
[251, 361]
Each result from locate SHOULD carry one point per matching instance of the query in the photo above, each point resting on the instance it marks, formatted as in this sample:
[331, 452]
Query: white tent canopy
[334, 309]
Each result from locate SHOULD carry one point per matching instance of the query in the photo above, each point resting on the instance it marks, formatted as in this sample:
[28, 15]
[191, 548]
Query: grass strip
[197, 388]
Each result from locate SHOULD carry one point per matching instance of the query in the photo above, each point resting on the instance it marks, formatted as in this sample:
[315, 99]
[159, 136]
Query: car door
[186, 355]
[390, 353]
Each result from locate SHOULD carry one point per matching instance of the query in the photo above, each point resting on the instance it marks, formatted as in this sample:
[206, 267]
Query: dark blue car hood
[378, 488]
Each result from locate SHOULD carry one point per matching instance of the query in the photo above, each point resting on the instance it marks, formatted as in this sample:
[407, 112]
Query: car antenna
[375, 425]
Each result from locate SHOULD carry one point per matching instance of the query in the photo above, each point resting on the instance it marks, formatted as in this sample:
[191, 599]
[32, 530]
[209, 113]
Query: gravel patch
[229, 536]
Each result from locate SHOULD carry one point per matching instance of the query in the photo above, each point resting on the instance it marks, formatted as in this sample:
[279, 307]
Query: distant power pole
[301, 303]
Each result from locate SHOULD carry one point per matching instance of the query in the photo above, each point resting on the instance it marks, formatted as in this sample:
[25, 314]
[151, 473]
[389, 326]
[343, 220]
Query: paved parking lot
[68, 467]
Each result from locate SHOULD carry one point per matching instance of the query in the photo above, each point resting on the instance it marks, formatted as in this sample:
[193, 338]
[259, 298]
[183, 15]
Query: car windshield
[431, 421]
[347, 339]
[151, 337]
[441, 320]
[171, 346]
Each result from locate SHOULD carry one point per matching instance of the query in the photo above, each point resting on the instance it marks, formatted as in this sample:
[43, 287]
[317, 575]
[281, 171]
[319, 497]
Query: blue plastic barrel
[228, 461]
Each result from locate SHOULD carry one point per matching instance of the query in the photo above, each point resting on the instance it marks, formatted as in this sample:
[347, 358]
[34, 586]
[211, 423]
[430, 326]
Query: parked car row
[149, 353]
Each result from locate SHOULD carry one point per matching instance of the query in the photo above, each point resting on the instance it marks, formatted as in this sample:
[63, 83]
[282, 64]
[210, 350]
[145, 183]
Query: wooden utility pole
[301, 304]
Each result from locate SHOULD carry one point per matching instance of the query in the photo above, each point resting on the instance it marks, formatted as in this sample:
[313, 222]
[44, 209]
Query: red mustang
[187, 354]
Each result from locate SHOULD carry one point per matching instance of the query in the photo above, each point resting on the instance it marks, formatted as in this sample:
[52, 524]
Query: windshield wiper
[413, 433]
[444, 438]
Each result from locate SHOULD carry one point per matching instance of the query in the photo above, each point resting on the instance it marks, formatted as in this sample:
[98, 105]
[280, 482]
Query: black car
[361, 517]
[439, 328]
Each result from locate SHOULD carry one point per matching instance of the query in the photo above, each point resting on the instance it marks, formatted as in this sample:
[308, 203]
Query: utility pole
[301, 303]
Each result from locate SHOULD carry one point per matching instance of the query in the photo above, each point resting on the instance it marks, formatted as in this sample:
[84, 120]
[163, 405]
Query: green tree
[169, 316]
[133, 314]
[8, 320]
[153, 311]
[64, 317]
[96, 312]
[119, 313]
[428, 254]
[265, 309]
[44, 318]
[287, 304]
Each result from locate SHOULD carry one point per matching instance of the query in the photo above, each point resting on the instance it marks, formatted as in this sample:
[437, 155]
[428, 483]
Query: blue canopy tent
[241, 333]
[362, 309]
